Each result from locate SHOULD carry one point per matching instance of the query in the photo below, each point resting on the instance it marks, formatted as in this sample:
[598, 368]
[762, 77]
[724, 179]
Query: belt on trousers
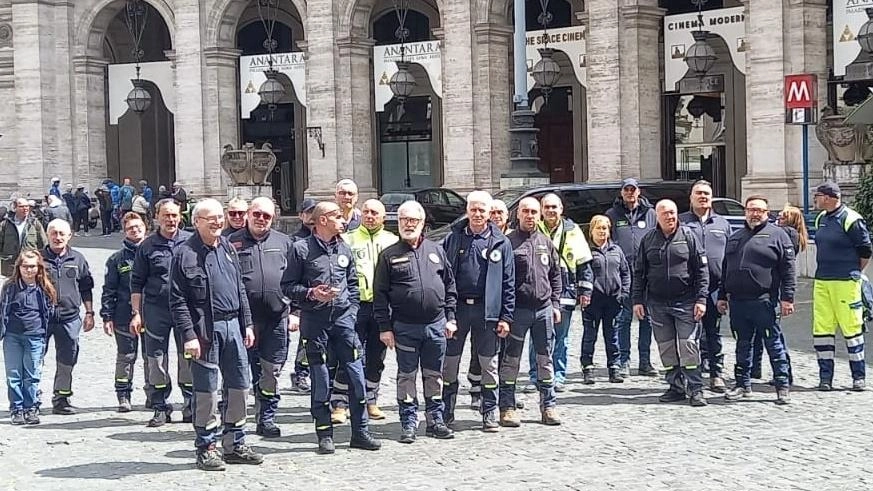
[225, 317]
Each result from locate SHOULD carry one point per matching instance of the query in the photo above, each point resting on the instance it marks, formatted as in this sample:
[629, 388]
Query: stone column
[492, 101]
[321, 107]
[765, 112]
[221, 109]
[458, 126]
[33, 69]
[89, 131]
[192, 170]
[807, 51]
[640, 93]
[604, 91]
[8, 121]
[356, 119]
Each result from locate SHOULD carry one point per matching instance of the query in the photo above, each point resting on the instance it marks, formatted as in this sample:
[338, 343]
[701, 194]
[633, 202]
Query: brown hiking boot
[550, 417]
[509, 419]
[374, 412]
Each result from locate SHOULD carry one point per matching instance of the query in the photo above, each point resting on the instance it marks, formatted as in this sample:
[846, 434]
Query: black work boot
[364, 441]
[243, 454]
[187, 417]
[268, 429]
[440, 431]
[615, 376]
[209, 459]
[697, 399]
[161, 417]
[62, 406]
[407, 434]
[672, 396]
[325, 445]
[587, 377]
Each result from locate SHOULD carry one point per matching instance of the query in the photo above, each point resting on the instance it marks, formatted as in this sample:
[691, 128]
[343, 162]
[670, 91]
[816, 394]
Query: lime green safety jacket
[366, 247]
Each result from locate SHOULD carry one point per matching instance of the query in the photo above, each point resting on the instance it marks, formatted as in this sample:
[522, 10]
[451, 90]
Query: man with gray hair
[21, 231]
[210, 308]
[236, 216]
[414, 307]
[481, 259]
[69, 272]
[347, 197]
[671, 283]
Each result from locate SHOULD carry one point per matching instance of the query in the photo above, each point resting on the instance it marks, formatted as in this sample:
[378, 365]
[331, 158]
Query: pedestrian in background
[499, 216]
[104, 200]
[141, 207]
[28, 300]
[57, 209]
[18, 232]
[80, 215]
[55, 189]
[612, 283]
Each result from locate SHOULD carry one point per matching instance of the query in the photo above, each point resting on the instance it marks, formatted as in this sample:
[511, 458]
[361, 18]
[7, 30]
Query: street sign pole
[805, 169]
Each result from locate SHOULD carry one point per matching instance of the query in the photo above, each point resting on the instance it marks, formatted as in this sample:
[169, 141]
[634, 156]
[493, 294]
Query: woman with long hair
[28, 299]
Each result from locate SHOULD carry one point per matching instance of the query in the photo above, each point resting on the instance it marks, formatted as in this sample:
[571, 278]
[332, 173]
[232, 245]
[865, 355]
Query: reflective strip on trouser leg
[316, 351]
[268, 391]
[156, 346]
[66, 336]
[825, 351]
[125, 358]
[205, 403]
[407, 372]
[855, 347]
[509, 364]
[339, 397]
[664, 332]
[234, 418]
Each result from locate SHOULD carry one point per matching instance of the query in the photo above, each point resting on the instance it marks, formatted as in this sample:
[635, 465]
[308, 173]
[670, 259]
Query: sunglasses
[236, 214]
[261, 215]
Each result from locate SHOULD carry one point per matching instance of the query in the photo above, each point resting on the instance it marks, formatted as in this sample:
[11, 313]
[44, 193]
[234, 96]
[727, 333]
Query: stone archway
[89, 78]
[222, 22]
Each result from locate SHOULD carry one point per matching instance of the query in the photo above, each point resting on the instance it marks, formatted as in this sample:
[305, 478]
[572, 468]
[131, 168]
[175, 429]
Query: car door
[732, 211]
[456, 206]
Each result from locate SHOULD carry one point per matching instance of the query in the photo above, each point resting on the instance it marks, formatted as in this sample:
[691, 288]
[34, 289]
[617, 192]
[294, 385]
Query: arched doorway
[283, 126]
[560, 115]
[139, 146]
[408, 135]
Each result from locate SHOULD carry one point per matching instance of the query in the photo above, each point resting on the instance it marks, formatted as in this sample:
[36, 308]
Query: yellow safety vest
[366, 247]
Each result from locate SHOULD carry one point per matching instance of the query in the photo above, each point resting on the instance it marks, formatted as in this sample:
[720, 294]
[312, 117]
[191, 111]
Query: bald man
[263, 257]
[322, 280]
[367, 242]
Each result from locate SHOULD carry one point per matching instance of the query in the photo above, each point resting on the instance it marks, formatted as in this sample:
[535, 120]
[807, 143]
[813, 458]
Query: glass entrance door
[699, 140]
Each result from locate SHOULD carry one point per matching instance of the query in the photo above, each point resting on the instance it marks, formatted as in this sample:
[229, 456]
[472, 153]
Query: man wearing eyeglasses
[322, 280]
[712, 231]
[210, 308]
[263, 257]
[236, 216]
[843, 250]
[346, 198]
[757, 281]
[150, 312]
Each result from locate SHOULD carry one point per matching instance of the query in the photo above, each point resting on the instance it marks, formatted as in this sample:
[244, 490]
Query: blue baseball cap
[630, 181]
[306, 205]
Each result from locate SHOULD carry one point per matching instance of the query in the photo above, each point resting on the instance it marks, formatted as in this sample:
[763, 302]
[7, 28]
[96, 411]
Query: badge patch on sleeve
[342, 260]
[704, 260]
[544, 259]
[496, 256]
[433, 258]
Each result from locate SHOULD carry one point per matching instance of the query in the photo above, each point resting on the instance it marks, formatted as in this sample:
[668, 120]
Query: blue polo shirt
[223, 280]
[836, 249]
[473, 264]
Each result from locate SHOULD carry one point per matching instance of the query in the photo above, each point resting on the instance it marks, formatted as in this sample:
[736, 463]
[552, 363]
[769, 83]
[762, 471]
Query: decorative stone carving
[248, 166]
[845, 143]
[5, 35]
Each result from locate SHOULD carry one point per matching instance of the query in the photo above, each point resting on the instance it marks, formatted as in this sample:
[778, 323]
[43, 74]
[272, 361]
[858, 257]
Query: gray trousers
[677, 335]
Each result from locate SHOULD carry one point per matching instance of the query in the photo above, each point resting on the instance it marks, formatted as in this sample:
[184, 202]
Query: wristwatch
[134, 312]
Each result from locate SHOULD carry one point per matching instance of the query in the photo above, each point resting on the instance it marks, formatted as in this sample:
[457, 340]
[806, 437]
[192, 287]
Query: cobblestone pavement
[613, 437]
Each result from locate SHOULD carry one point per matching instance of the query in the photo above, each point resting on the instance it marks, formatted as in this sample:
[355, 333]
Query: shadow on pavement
[155, 435]
[112, 470]
[86, 425]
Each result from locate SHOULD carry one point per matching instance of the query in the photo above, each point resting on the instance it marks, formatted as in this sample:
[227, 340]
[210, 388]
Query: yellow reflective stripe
[323, 427]
[509, 382]
[122, 380]
[489, 386]
[267, 393]
[65, 392]
[160, 386]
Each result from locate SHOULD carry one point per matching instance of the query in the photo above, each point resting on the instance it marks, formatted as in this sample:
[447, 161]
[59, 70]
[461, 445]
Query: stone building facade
[56, 58]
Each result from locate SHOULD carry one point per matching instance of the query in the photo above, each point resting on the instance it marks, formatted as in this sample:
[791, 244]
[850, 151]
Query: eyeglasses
[756, 210]
[213, 219]
[261, 215]
[410, 220]
[236, 214]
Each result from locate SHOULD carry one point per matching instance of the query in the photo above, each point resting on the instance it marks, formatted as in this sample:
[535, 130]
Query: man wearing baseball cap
[300, 377]
[843, 250]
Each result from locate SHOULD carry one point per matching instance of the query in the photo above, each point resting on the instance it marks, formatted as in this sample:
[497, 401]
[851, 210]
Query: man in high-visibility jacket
[842, 252]
[366, 242]
[576, 276]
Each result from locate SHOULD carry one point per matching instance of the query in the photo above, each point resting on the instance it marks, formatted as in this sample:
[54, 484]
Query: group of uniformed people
[230, 294]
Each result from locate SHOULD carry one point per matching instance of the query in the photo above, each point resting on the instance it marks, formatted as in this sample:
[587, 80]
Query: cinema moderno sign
[729, 24]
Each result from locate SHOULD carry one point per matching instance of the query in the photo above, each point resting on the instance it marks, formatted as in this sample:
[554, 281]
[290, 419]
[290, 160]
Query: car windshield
[510, 195]
[396, 198]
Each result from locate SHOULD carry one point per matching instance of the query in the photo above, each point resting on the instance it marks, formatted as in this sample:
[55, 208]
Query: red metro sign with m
[800, 98]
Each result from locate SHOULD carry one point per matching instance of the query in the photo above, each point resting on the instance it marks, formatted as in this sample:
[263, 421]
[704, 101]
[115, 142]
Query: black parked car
[584, 200]
[441, 206]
